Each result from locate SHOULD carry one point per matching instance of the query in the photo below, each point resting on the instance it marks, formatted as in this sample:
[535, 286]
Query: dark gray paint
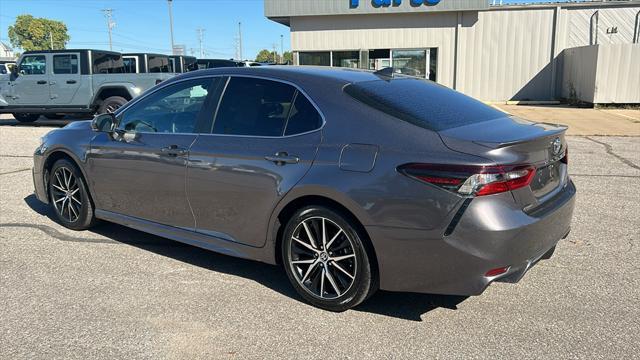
[235, 195]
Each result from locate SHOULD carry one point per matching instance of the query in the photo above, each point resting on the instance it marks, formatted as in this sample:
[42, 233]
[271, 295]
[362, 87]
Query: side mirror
[104, 123]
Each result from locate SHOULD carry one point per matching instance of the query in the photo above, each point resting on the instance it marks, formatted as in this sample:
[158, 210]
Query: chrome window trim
[229, 76]
[295, 86]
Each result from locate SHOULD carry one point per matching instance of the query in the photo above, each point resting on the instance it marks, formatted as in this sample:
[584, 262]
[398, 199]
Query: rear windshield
[422, 103]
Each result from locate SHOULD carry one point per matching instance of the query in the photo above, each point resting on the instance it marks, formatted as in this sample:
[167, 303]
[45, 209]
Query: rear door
[65, 79]
[263, 140]
[140, 171]
[31, 87]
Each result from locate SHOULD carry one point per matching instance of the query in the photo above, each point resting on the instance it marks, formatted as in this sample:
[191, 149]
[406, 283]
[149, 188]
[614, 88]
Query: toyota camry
[350, 180]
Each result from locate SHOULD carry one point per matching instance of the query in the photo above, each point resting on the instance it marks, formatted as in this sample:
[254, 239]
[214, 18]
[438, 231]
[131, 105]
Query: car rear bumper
[490, 235]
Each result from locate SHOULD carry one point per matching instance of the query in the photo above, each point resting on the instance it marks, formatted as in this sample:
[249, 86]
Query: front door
[65, 81]
[31, 86]
[263, 140]
[140, 170]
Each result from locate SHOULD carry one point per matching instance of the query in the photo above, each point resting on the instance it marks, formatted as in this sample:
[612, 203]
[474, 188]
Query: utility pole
[281, 49]
[169, 2]
[201, 39]
[240, 40]
[108, 13]
[51, 39]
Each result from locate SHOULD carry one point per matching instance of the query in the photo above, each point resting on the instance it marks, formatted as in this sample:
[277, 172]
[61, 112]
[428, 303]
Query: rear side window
[303, 117]
[255, 107]
[422, 103]
[130, 65]
[158, 64]
[105, 63]
[65, 64]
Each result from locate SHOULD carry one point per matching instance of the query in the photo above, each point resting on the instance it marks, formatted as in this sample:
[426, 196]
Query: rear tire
[69, 196]
[26, 118]
[326, 260]
[111, 104]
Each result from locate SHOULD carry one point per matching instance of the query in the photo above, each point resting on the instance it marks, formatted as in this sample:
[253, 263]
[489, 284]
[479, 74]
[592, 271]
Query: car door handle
[173, 150]
[41, 82]
[281, 158]
[71, 81]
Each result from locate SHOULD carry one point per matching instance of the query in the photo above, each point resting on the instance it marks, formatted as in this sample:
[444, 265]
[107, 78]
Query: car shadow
[409, 306]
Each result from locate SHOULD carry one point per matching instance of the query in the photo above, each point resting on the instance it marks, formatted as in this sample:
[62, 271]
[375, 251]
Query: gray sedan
[353, 181]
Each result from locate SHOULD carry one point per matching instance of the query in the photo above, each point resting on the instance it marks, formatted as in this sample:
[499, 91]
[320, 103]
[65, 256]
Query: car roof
[69, 51]
[138, 54]
[293, 73]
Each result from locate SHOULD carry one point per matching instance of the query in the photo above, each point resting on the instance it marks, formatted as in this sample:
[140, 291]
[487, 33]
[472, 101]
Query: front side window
[255, 107]
[65, 64]
[33, 65]
[173, 109]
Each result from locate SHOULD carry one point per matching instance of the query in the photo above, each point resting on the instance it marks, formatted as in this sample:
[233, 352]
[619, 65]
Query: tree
[288, 57]
[31, 33]
[264, 56]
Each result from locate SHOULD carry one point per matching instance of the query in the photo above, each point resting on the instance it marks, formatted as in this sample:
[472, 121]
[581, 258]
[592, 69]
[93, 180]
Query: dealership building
[582, 51]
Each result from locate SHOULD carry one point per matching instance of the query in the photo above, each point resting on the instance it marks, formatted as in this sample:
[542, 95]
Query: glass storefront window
[348, 59]
[410, 62]
[379, 59]
[315, 58]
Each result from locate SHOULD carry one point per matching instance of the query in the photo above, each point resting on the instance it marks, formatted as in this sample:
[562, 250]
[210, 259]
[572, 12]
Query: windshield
[422, 103]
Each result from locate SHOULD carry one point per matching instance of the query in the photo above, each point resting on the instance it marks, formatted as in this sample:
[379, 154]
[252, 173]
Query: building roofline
[286, 19]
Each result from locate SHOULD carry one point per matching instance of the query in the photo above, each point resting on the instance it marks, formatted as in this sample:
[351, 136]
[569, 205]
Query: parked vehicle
[216, 63]
[58, 82]
[142, 63]
[5, 67]
[351, 180]
[182, 64]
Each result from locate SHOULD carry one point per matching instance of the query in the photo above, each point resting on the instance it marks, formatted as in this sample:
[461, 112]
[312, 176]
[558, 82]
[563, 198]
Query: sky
[143, 25]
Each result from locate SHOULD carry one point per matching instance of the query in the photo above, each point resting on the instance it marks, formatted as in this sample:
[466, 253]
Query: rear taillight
[471, 180]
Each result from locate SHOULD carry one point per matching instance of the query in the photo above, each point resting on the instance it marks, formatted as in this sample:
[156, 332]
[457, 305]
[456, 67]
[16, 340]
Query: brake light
[472, 180]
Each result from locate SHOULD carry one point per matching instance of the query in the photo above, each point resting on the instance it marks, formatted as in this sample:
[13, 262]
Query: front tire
[111, 104]
[326, 260]
[69, 196]
[26, 118]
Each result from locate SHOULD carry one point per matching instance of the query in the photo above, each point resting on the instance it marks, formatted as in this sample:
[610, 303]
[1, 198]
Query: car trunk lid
[513, 141]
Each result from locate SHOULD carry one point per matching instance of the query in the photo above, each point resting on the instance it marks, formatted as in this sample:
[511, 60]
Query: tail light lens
[472, 180]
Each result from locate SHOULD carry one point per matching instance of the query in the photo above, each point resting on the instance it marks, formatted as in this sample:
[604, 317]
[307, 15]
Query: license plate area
[547, 179]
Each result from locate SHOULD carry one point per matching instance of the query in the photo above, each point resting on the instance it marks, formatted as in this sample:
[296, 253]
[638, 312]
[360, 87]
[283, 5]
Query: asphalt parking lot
[119, 293]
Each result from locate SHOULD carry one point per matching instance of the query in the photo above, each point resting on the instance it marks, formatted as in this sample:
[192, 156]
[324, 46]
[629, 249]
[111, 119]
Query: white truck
[55, 83]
